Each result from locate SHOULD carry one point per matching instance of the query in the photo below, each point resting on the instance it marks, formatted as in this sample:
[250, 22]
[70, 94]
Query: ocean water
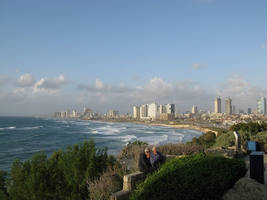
[21, 137]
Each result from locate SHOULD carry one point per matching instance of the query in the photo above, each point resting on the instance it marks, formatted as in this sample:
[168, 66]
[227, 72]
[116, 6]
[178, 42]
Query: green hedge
[192, 177]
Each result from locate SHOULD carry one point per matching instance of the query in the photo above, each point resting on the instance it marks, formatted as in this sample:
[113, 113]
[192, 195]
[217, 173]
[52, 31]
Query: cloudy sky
[105, 54]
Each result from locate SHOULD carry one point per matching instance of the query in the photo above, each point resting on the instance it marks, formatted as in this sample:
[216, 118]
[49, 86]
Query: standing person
[156, 158]
[144, 161]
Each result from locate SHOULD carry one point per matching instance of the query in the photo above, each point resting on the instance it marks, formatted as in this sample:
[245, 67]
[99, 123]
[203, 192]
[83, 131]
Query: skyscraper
[217, 105]
[194, 109]
[261, 109]
[143, 111]
[170, 108]
[233, 110]
[153, 111]
[136, 112]
[228, 106]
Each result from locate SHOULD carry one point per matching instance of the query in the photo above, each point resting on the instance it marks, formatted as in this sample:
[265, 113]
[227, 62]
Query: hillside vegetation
[193, 177]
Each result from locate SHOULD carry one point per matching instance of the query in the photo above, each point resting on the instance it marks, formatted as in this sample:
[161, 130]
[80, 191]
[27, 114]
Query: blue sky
[219, 46]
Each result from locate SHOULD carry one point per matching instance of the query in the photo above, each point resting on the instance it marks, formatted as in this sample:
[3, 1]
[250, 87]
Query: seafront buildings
[261, 106]
[136, 112]
[154, 111]
[228, 106]
[194, 109]
[217, 105]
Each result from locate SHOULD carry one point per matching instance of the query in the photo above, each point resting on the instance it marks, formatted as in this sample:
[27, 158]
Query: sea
[21, 137]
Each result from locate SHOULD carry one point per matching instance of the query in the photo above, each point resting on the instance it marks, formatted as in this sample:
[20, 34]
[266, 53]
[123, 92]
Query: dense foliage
[248, 131]
[65, 175]
[206, 140]
[3, 189]
[192, 177]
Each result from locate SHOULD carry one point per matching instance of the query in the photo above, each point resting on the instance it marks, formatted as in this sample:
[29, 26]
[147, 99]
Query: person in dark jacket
[156, 158]
[144, 164]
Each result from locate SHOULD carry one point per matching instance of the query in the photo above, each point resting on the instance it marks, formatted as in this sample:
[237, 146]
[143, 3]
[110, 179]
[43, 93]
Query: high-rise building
[153, 112]
[136, 112]
[144, 111]
[194, 109]
[217, 105]
[228, 106]
[113, 113]
[170, 108]
[249, 111]
[162, 109]
[233, 110]
[261, 108]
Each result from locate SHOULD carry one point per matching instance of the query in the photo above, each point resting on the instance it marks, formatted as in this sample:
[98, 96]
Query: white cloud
[101, 87]
[243, 93]
[25, 80]
[49, 85]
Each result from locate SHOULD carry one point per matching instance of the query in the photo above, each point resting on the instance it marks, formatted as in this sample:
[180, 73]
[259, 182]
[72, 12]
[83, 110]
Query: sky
[114, 54]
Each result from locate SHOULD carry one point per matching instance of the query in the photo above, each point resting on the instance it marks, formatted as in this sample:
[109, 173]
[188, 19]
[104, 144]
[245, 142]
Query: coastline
[178, 126]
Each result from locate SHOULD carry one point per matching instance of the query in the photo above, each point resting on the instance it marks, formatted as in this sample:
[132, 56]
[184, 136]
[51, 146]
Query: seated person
[144, 164]
[156, 158]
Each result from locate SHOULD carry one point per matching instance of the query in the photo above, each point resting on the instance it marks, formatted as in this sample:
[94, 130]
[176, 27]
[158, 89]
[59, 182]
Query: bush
[108, 183]
[192, 177]
[3, 184]
[261, 138]
[129, 155]
[63, 176]
[206, 140]
[180, 149]
[225, 140]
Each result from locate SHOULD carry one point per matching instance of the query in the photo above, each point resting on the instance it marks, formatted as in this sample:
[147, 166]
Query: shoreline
[178, 126]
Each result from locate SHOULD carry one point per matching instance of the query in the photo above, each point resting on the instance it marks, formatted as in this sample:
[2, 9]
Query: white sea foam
[22, 128]
[156, 139]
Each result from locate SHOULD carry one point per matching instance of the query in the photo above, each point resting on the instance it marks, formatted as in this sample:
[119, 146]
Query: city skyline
[114, 55]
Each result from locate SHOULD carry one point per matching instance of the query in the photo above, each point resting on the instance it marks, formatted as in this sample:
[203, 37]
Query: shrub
[3, 184]
[192, 177]
[108, 183]
[261, 138]
[225, 140]
[180, 149]
[206, 140]
[129, 155]
[63, 176]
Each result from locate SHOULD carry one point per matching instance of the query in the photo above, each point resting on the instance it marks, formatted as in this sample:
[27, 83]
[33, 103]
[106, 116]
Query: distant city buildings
[249, 111]
[144, 111]
[113, 114]
[194, 109]
[261, 106]
[67, 114]
[217, 105]
[228, 106]
[136, 112]
[154, 112]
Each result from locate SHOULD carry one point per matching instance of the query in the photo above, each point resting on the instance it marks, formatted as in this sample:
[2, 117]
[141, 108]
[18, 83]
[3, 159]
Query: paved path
[247, 188]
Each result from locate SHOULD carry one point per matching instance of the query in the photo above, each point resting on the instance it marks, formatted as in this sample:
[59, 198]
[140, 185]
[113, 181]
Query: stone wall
[129, 183]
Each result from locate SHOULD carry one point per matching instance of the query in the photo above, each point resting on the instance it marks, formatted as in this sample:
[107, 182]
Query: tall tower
[217, 105]
[261, 108]
[136, 112]
[194, 109]
[228, 106]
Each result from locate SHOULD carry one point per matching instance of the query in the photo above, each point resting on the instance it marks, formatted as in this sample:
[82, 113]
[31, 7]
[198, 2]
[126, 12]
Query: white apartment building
[144, 111]
[136, 112]
[170, 108]
[153, 111]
